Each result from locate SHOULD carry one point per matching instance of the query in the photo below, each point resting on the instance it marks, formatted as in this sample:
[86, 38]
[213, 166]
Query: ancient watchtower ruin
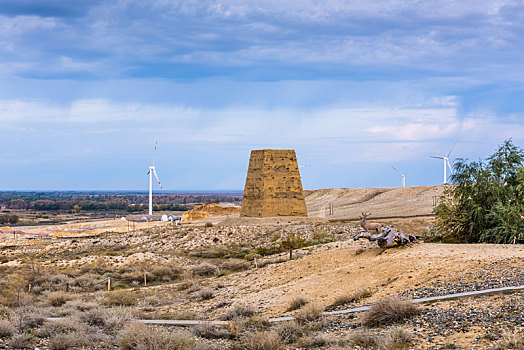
[273, 186]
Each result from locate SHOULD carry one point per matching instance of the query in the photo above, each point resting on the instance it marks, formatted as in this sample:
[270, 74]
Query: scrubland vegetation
[486, 201]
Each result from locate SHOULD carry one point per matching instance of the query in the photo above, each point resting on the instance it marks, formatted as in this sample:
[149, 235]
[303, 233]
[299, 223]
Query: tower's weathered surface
[273, 186]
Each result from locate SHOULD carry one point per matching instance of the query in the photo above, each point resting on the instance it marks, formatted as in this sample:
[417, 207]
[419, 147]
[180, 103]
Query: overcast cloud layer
[86, 87]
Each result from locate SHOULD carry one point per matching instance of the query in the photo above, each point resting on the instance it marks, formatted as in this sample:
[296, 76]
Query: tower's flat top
[270, 150]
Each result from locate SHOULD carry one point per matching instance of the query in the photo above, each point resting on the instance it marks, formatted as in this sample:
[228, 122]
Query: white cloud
[385, 132]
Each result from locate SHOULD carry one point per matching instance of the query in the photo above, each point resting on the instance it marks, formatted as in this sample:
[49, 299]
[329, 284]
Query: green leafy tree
[486, 201]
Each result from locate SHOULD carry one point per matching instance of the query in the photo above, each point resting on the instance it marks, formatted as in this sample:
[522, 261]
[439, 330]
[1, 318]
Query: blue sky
[355, 87]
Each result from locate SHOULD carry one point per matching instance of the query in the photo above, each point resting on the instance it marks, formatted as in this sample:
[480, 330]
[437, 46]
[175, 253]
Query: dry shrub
[60, 326]
[206, 293]
[351, 298]
[88, 282]
[235, 265]
[6, 329]
[362, 338]
[237, 312]
[186, 285]
[389, 310]
[317, 341]
[261, 341]
[395, 338]
[26, 317]
[209, 331]
[204, 269]
[67, 341]
[310, 312]
[296, 303]
[510, 340]
[110, 320]
[80, 305]
[121, 297]
[21, 341]
[152, 300]
[58, 299]
[165, 273]
[137, 336]
[289, 332]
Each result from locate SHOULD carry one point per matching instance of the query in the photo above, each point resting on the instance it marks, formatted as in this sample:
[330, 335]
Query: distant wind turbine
[446, 164]
[150, 173]
[403, 176]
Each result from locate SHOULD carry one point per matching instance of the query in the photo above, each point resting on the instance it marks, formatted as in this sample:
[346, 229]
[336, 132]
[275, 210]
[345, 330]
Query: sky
[355, 87]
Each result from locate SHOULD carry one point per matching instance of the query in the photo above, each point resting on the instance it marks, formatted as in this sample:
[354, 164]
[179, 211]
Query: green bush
[486, 202]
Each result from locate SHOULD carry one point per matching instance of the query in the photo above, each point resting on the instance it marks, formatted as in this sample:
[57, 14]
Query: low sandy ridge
[349, 203]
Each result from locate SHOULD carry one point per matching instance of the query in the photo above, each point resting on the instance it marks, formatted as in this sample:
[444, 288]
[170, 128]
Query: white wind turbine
[446, 164]
[403, 176]
[150, 173]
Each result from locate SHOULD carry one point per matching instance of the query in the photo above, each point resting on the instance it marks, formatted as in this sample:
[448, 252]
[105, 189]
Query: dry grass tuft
[21, 341]
[240, 311]
[26, 317]
[316, 341]
[206, 294]
[362, 339]
[389, 310]
[204, 269]
[310, 312]
[209, 331]
[137, 336]
[58, 299]
[351, 298]
[120, 297]
[67, 341]
[6, 329]
[395, 338]
[61, 326]
[110, 320]
[510, 340]
[297, 303]
[261, 340]
[289, 332]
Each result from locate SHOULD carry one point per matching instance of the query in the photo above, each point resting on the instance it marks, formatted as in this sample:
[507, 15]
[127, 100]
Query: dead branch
[389, 237]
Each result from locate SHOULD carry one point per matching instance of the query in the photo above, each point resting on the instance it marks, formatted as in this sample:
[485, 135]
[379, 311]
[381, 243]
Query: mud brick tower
[273, 186]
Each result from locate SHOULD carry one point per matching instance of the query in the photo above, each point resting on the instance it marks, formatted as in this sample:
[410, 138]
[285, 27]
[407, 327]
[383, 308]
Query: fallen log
[389, 237]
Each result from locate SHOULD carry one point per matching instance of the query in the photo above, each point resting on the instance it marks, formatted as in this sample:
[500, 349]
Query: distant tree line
[100, 202]
[486, 201]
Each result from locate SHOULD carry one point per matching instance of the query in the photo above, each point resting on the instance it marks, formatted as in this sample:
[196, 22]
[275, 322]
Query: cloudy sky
[354, 86]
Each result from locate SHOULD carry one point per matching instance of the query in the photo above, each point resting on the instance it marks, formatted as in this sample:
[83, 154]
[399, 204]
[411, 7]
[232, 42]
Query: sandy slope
[326, 274]
[350, 202]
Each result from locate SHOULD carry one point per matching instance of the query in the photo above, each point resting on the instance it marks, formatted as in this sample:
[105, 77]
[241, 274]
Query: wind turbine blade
[396, 170]
[436, 157]
[451, 150]
[156, 176]
[449, 166]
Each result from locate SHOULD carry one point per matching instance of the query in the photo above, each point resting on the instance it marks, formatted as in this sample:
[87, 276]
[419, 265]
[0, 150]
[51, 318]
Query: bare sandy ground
[336, 269]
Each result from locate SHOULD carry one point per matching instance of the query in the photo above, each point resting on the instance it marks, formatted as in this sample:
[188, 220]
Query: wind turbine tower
[403, 176]
[446, 164]
[152, 171]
